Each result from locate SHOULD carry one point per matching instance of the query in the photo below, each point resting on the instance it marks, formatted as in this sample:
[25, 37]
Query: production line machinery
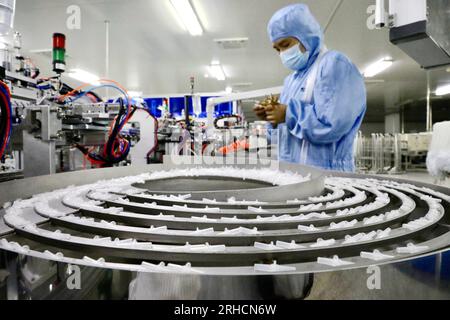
[185, 231]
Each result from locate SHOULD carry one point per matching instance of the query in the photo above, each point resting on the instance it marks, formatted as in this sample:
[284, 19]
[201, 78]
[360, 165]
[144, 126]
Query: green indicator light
[59, 55]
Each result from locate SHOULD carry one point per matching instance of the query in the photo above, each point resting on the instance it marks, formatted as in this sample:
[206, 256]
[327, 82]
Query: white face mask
[294, 59]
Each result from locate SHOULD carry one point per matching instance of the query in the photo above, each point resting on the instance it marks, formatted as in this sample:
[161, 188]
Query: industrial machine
[49, 127]
[188, 231]
[392, 153]
[420, 29]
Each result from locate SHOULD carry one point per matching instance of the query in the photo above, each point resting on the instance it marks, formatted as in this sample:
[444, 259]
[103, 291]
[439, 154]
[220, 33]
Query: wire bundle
[6, 117]
[116, 148]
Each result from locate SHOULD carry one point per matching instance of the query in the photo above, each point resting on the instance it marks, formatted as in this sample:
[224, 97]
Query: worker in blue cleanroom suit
[323, 101]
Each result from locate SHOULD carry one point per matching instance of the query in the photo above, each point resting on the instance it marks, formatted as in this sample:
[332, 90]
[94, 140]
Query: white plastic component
[376, 255]
[347, 212]
[257, 210]
[203, 219]
[295, 201]
[181, 269]
[284, 217]
[311, 228]
[152, 205]
[131, 191]
[384, 199]
[14, 246]
[209, 201]
[412, 249]
[290, 246]
[102, 240]
[158, 230]
[323, 243]
[127, 201]
[182, 197]
[266, 247]
[125, 241]
[343, 225]
[274, 177]
[232, 200]
[374, 219]
[108, 223]
[265, 219]
[58, 235]
[153, 267]
[416, 224]
[233, 219]
[433, 215]
[54, 256]
[200, 232]
[314, 215]
[334, 262]
[99, 262]
[310, 207]
[395, 214]
[360, 237]
[240, 231]
[381, 234]
[208, 209]
[273, 268]
[171, 217]
[185, 208]
[206, 248]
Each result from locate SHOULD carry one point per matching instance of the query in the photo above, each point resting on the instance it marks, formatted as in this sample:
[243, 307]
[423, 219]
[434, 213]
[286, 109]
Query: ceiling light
[378, 67]
[229, 90]
[135, 94]
[443, 90]
[217, 71]
[187, 16]
[84, 76]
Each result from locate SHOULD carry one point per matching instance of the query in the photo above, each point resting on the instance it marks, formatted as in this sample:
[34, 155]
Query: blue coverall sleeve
[339, 100]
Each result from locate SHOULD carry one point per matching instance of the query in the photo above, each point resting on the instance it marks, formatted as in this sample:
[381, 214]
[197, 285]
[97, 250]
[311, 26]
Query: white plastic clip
[311, 228]
[290, 246]
[273, 268]
[412, 249]
[323, 243]
[266, 247]
[240, 231]
[98, 262]
[335, 262]
[257, 210]
[376, 255]
[199, 232]
[153, 267]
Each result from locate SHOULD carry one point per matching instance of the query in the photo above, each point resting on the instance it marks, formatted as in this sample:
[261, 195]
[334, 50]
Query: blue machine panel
[177, 106]
[153, 105]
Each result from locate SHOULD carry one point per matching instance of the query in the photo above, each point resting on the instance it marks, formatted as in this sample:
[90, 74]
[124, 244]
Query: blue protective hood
[297, 21]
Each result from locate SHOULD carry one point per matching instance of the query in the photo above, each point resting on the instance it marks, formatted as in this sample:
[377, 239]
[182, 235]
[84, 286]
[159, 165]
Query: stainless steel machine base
[207, 232]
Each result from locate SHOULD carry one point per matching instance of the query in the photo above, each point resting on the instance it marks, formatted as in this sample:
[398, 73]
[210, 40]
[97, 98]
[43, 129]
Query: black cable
[108, 158]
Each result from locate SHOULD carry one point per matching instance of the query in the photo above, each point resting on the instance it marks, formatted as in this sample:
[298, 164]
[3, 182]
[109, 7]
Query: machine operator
[323, 101]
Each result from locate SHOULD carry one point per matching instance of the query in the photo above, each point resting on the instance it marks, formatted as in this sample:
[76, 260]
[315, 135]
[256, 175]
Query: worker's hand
[276, 114]
[260, 112]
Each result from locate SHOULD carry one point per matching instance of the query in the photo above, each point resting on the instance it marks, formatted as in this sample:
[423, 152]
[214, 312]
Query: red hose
[6, 101]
